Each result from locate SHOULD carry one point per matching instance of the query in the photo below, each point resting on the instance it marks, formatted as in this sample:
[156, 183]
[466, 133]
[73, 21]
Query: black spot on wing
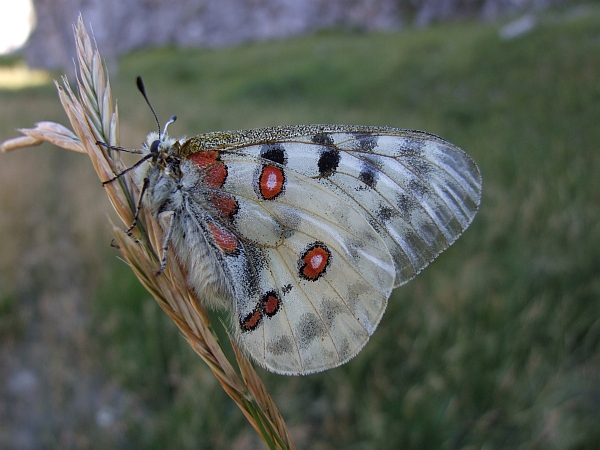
[370, 169]
[274, 152]
[288, 232]
[418, 165]
[412, 147]
[329, 158]
[407, 205]
[309, 328]
[286, 289]
[322, 139]
[368, 175]
[328, 161]
[418, 187]
[365, 142]
[385, 213]
[283, 345]
[329, 310]
[252, 263]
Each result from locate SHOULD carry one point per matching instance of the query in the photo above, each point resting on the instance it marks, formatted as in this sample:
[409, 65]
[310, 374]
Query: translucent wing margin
[418, 191]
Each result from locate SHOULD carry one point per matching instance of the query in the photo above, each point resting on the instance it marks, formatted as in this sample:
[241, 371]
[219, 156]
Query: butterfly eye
[154, 146]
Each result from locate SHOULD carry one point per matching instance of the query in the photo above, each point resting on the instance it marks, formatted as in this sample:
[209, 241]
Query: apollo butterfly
[302, 232]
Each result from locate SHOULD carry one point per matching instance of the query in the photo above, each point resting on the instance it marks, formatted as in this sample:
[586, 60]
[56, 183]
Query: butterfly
[302, 232]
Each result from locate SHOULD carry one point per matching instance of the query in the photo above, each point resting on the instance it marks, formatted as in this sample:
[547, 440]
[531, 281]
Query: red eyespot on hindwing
[252, 320]
[314, 261]
[269, 305]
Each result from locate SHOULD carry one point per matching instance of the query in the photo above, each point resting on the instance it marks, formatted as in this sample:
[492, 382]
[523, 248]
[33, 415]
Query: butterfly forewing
[418, 191]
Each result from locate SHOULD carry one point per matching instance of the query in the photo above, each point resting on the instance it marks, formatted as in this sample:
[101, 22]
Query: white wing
[317, 224]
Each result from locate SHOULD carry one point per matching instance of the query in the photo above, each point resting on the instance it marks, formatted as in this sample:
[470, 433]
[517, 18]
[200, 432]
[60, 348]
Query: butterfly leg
[129, 169]
[138, 207]
[166, 239]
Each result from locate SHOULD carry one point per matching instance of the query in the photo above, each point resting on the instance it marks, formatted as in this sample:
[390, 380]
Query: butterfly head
[163, 152]
[160, 149]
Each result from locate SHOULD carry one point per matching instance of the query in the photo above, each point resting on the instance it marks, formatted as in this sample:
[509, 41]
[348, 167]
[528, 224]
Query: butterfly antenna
[169, 122]
[142, 89]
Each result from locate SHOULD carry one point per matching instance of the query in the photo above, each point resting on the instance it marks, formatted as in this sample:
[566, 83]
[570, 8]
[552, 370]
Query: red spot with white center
[224, 238]
[270, 182]
[314, 261]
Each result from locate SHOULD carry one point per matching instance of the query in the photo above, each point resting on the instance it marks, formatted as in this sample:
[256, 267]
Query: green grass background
[496, 345]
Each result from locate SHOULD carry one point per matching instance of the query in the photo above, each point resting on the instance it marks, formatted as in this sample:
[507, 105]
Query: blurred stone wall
[124, 25]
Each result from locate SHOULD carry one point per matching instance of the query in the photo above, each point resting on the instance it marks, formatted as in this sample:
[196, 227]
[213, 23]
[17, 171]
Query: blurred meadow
[495, 345]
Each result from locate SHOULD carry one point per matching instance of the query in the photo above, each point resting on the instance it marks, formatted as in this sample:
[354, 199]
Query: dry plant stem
[94, 118]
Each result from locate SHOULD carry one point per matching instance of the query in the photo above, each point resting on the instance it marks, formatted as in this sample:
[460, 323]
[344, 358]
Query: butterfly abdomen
[194, 235]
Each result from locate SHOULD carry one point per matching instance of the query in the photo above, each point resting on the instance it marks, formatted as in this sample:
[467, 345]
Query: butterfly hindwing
[309, 275]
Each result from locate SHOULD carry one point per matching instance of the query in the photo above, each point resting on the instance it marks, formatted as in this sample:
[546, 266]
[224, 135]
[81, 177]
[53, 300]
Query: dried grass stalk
[94, 118]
